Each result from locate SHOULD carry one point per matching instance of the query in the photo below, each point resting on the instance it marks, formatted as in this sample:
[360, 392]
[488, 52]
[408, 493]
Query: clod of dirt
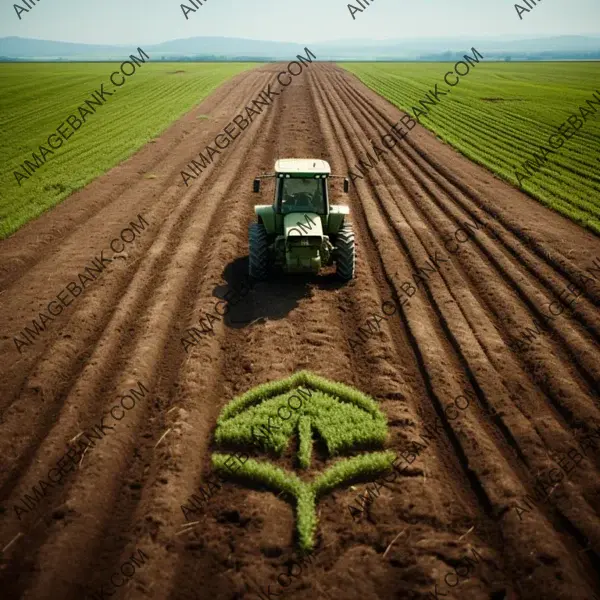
[197, 545]
[59, 513]
[230, 516]
[272, 551]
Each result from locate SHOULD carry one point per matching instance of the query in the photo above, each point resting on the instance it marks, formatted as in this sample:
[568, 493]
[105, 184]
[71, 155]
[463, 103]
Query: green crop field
[499, 114]
[37, 98]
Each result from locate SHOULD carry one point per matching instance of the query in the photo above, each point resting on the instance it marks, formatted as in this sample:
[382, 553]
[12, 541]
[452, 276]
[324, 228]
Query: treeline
[216, 58]
[546, 55]
[198, 58]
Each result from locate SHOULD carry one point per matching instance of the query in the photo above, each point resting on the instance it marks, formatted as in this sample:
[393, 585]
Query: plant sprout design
[345, 419]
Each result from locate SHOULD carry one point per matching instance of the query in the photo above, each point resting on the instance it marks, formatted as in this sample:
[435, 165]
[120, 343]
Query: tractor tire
[345, 253]
[258, 252]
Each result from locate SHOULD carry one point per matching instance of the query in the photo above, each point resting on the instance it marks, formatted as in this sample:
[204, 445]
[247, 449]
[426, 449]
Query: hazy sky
[138, 22]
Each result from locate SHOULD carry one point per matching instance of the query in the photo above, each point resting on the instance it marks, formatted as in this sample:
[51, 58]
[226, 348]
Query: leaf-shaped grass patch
[304, 405]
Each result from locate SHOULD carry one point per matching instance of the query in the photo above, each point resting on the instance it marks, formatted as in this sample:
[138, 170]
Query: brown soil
[458, 495]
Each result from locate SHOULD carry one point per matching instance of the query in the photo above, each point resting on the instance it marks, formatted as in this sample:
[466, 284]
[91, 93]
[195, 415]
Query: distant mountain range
[222, 48]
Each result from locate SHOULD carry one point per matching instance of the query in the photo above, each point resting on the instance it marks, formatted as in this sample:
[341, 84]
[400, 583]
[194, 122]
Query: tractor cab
[301, 185]
[300, 231]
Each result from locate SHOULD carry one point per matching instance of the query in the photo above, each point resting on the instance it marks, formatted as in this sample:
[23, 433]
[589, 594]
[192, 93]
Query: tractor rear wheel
[259, 252]
[345, 253]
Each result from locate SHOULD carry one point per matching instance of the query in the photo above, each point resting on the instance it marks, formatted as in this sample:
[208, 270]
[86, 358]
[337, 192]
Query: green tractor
[300, 232]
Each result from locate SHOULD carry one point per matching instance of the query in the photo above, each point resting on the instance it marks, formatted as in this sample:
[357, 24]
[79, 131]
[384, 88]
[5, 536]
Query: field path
[454, 336]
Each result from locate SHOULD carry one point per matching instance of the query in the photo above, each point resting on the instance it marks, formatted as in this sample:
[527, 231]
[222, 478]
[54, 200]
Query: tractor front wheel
[345, 253]
[259, 252]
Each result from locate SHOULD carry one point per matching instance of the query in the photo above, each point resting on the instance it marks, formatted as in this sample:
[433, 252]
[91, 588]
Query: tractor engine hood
[301, 226]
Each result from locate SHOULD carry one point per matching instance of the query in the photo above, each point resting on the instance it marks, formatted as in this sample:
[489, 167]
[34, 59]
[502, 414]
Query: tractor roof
[302, 165]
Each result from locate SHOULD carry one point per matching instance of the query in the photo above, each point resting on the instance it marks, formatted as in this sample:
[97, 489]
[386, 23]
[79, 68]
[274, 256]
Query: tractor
[301, 232]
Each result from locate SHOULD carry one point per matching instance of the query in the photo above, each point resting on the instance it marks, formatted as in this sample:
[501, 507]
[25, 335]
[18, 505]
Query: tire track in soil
[449, 339]
[426, 317]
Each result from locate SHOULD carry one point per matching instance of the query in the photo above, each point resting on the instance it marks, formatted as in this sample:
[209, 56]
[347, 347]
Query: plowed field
[458, 330]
